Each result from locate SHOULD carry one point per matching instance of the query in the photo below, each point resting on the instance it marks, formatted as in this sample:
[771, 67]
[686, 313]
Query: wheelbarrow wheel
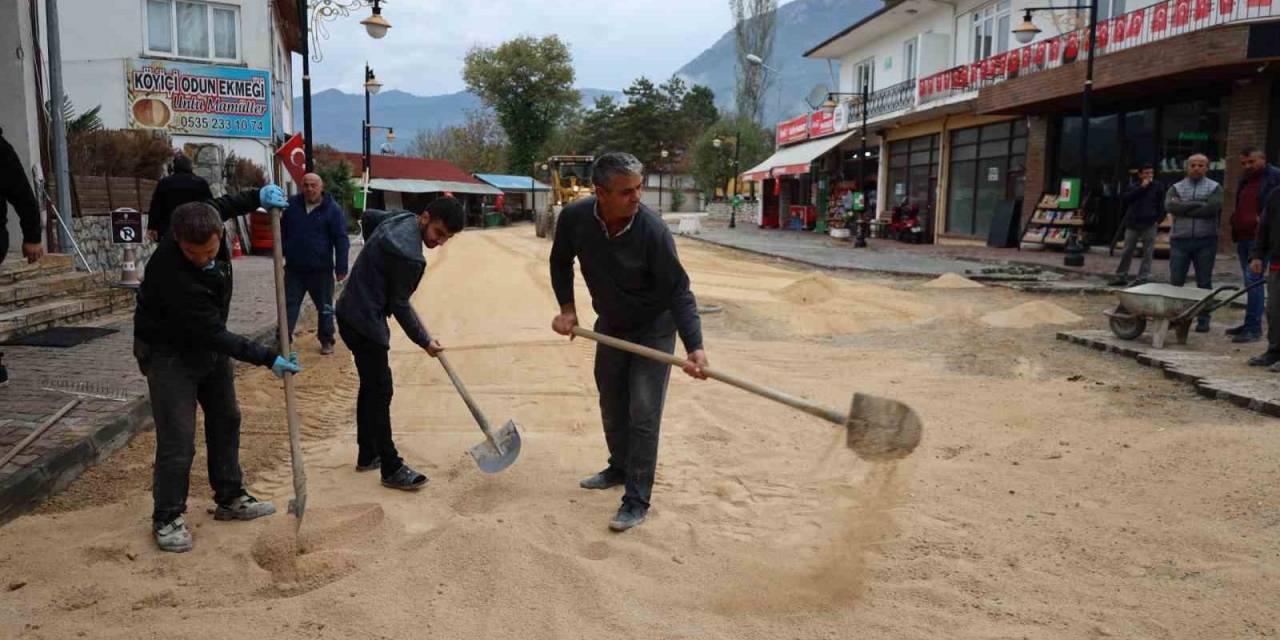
[1126, 326]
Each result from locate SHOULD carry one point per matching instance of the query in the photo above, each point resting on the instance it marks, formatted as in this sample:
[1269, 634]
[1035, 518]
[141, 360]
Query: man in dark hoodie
[383, 280]
[184, 348]
[1264, 261]
[1144, 209]
[176, 189]
[1256, 186]
[314, 231]
[640, 293]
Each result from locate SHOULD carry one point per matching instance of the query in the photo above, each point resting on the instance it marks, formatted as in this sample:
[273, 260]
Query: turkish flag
[1256, 4]
[294, 157]
[1055, 48]
[1160, 18]
[1042, 50]
[1026, 57]
[1225, 7]
[1072, 50]
[1135, 23]
[1014, 62]
[1181, 13]
[1104, 33]
[1203, 9]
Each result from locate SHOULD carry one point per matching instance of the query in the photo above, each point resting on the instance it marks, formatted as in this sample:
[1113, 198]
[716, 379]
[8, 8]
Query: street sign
[126, 226]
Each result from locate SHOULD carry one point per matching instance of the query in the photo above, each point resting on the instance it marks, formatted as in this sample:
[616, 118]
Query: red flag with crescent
[294, 157]
[1135, 22]
[1181, 13]
[1256, 4]
[1225, 7]
[1203, 9]
[1160, 18]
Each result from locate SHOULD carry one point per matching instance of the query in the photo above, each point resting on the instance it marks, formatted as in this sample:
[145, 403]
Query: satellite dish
[817, 95]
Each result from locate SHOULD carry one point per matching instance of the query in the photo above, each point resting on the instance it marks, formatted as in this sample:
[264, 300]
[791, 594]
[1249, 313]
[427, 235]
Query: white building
[216, 76]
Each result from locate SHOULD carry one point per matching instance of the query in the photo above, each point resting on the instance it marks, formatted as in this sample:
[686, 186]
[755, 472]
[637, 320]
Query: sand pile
[334, 542]
[1031, 314]
[814, 288]
[951, 281]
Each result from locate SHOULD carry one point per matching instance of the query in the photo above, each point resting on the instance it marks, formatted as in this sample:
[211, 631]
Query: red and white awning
[795, 159]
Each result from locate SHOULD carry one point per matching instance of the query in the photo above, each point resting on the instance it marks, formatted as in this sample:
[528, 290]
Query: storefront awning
[406, 185]
[794, 159]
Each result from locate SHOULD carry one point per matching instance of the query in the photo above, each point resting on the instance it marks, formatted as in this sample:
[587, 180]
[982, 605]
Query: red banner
[1225, 7]
[1160, 18]
[793, 130]
[1203, 9]
[822, 124]
[1055, 48]
[1135, 23]
[1181, 13]
[1258, 4]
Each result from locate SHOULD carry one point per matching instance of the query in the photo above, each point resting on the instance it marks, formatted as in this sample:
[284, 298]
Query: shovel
[877, 428]
[298, 504]
[500, 448]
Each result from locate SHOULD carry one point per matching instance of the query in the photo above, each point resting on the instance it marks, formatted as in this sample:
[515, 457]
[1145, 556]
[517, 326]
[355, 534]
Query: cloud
[612, 42]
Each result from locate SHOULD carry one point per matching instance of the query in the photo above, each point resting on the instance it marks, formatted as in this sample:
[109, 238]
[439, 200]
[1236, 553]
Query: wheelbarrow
[1167, 305]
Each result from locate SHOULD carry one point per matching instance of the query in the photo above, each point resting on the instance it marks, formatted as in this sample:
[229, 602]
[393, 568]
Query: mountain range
[801, 24]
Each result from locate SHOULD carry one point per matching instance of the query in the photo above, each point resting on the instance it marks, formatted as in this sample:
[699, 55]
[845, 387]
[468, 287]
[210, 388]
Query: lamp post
[717, 142]
[1025, 33]
[318, 12]
[371, 87]
[758, 61]
[664, 153]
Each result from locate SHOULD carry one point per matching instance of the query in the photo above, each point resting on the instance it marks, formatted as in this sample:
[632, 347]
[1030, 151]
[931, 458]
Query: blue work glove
[272, 197]
[280, 366]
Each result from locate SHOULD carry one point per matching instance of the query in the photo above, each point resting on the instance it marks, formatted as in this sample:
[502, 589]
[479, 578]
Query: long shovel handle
[807, 406]
[471, 402]
[282, 322]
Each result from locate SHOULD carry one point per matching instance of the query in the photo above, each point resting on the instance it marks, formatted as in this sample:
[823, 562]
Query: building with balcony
[966, 118]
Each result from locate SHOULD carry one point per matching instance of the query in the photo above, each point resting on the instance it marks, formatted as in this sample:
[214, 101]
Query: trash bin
[493, 219]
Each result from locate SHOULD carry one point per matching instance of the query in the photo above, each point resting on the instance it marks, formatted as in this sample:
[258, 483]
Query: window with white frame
[193, 29]
[864, 75]
[1110, 8]
[991, 30]
[909, 60]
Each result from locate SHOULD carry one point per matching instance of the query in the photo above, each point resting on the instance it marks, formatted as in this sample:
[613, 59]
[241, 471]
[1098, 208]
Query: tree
[528, 82]
[337, 175]
[476, 146]
[713, 167]
[754, 26]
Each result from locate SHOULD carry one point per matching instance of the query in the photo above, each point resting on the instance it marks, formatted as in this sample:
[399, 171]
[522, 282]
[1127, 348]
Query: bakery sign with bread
[198, 99]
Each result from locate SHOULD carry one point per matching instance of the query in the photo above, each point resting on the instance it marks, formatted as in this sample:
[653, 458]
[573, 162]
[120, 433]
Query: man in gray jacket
[385, 275]
[1196, 205]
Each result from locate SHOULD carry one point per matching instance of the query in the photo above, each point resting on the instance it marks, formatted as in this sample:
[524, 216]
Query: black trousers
[317, 283]
[177, 382]
[633, 391]
[373, 401]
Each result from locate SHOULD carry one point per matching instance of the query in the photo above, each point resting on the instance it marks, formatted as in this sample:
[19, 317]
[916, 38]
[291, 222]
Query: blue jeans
[1257, 297]
[318, 284]
[1200, 252]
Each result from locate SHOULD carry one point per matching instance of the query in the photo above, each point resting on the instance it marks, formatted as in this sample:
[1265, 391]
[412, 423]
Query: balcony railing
[1142, 26]
[889, 99]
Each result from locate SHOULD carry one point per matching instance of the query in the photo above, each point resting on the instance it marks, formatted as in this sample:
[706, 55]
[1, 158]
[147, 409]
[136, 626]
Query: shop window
[913, 175]
[193, 29]
[988, 166]
[964, 136]
[1110, 8]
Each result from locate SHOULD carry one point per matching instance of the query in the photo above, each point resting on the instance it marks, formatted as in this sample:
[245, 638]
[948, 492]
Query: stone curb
[1178, 366]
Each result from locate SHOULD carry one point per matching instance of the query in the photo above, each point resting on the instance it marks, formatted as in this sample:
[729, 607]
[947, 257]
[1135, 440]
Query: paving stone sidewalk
[96, 428]
[1214, 375]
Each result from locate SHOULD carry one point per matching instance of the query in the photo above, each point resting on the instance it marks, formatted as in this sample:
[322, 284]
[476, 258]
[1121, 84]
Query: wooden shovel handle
[807, 406]
[466, 397]
[282, 336]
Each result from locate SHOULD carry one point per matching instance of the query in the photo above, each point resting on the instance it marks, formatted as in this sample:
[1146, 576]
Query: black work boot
[629, 515]
[605, 479]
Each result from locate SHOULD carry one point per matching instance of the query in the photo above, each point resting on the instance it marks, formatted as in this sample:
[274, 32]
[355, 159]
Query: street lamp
[717, 142]
[759, 62]
[318, 12]
[1025, 33]
[371, 87]
[664, 155]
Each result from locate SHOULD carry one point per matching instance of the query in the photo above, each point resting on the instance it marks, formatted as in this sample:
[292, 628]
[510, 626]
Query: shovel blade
[882, 428]
[489, 458]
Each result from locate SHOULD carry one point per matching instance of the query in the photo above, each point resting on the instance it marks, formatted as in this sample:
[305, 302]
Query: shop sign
[1194, 136]
[822, 124]
[993, 174]
[198, 99]
[793, 130]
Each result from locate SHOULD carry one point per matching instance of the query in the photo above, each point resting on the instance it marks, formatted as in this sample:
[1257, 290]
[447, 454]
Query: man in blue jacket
[314, 230]
[1144, 210]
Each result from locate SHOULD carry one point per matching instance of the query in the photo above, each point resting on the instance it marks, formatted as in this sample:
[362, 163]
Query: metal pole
[861, 240]
[368, 118]
[733, 197]
[1086, 97]
[533, 209]
[303, 14]
[60, 170]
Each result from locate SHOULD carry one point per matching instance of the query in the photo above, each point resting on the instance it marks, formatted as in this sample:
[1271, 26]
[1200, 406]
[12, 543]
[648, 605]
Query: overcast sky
[612, 42]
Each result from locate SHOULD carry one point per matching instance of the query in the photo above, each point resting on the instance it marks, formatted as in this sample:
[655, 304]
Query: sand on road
[1056, 494]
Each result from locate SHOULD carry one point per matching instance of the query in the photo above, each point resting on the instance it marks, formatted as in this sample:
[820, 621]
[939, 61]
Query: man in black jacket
[1265, 259]
[381, 283]
[15, 190]
[1144, 210]
[640, 293]
[184, 349]
[176, 189]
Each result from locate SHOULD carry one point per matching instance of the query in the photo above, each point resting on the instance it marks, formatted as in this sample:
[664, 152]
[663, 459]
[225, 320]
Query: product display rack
[1051, 225]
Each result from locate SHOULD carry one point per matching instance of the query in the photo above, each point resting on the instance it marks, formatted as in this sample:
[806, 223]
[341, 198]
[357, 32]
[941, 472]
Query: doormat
[61, 337]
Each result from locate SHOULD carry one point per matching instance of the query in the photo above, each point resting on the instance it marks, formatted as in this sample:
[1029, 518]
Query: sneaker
[375, 463]
[1265, 360]
[173, 536]
[1275, 368]
[1235, 331]
[1202, 325]
[628, 516]
[603, 480]
[1118, 281]
[245, 507]
[1251, 335]
[326, 349]
[405, 479]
